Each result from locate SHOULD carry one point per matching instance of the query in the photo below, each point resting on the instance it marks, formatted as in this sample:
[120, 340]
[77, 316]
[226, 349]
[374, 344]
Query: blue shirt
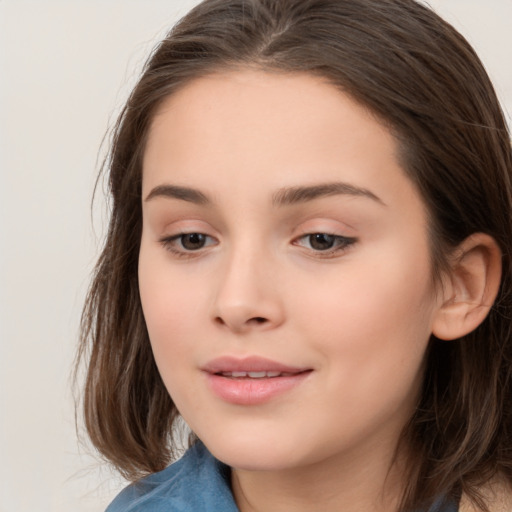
[196, 483]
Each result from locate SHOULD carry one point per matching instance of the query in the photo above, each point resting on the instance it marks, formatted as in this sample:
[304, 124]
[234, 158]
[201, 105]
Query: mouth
[255, 375]
[255, 367]
[253, 380]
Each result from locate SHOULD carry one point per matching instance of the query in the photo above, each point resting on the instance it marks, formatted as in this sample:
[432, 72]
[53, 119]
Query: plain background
[65, 68]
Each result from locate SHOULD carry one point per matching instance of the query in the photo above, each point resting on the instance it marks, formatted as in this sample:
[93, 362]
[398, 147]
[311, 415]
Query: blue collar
[196, 482]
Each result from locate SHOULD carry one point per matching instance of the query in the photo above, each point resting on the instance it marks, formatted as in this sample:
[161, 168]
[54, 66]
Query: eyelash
[341, 244]
[169, 243]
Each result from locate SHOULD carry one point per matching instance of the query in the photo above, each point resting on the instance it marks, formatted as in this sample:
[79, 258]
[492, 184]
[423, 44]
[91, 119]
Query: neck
[372, 483]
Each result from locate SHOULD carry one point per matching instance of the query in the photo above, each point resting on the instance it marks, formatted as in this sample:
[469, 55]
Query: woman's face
[284, 270]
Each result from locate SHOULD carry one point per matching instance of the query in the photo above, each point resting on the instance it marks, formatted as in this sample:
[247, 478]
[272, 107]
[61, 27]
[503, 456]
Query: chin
[255, 453]
[253, 460]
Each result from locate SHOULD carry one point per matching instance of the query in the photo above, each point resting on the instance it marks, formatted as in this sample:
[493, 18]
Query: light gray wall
[65, 68]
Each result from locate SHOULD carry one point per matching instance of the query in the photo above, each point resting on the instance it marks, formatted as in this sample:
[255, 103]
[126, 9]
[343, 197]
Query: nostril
[239, 323]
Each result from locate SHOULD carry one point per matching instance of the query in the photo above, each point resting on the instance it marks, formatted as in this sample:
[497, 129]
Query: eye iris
[321, 241]
[193, 241]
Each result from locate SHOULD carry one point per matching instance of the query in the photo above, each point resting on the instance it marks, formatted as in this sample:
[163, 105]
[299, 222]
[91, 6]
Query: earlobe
[470, 288]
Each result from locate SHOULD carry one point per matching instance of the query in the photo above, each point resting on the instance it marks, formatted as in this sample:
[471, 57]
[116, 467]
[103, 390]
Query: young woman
[309, 261]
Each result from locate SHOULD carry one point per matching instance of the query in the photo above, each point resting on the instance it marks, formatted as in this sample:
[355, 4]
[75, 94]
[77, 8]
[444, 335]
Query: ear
[470, 288]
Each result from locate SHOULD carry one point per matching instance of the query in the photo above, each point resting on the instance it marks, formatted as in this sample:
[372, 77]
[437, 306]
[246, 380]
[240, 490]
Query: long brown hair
[421, 78]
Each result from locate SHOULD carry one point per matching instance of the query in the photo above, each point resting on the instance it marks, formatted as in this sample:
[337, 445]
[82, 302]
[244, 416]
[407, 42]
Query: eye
[324, 242]
[184, 243]
[192, 241]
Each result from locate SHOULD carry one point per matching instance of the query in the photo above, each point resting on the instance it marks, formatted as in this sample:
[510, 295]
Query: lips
[252, 380]
[248, 365]
[254, 375]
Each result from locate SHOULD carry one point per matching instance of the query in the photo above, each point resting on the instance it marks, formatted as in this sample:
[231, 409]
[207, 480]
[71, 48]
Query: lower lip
[246, 391]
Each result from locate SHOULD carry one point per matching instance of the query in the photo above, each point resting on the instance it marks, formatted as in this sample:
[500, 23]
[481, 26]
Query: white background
[65, 68]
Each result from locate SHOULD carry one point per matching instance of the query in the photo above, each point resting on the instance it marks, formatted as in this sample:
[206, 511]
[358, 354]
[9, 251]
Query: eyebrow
[294, 195]
[188, 194]
[283, 197]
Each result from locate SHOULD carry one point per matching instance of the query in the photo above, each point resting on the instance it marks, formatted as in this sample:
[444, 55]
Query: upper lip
[249, 364]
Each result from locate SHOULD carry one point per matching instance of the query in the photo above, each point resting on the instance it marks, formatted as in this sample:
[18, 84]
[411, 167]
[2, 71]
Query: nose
[247, 296]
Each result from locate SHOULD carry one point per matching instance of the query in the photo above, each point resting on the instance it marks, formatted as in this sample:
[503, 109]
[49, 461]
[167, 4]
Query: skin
[359, 318]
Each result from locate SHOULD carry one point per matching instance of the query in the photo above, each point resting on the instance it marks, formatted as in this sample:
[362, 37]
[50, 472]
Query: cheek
[170, 307]
[169, 314]
[375, 316]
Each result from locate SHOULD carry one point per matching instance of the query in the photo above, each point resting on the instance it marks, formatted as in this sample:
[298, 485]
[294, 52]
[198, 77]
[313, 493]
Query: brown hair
[419, 76]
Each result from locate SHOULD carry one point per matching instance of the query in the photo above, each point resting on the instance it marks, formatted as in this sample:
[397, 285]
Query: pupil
[193, 241]
[321, 241]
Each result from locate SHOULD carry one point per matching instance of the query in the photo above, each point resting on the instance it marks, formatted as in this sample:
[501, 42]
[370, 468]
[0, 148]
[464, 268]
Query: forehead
[249, 99]
[250, 129]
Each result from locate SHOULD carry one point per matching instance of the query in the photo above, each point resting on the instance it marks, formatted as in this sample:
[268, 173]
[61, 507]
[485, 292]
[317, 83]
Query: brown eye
[321, 241]
[187, 245]
[325, 243]
[193, 241]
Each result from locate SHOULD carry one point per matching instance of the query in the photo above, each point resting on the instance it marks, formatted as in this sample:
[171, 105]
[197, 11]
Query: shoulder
[497, 495]
[197, 481]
